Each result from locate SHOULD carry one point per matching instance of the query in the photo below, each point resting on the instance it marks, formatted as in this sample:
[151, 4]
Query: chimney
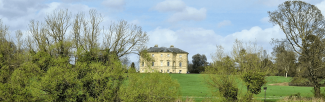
[156, 45]
[171, 46]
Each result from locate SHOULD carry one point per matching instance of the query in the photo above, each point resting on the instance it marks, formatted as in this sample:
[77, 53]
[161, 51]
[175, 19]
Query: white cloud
[181, 11]
[192, 40]
[114, 4]
[21, 16]
[204, 41]
[224, 23]
[170, 5]
[17, 8]
[258, 34]
[162, 36]
[189, 14]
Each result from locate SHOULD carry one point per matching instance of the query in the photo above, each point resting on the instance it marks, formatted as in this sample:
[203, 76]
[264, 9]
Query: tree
[304, 27]
[199, 61]
[285, 58]
[56, 27]
[253, 67]
[221, 76]
[132, 68]
[190, 66]
[123, 38]
[44, 73]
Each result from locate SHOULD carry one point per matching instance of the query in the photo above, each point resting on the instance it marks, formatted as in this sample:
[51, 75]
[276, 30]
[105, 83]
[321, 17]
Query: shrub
[254, 81]
[16, 88]
[228, 91]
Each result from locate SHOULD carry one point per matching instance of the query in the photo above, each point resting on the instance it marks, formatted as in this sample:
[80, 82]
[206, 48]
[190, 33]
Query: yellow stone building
[166, 60]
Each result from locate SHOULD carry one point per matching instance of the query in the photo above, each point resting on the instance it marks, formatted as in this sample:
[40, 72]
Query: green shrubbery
[93, 81]
[254, 81]
[42, 70]
[245, 65]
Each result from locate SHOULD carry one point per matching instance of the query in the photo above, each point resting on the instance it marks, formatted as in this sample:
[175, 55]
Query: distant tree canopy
[199, 62]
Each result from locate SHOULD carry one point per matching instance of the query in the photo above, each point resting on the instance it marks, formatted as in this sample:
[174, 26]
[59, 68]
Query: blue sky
[195, 26]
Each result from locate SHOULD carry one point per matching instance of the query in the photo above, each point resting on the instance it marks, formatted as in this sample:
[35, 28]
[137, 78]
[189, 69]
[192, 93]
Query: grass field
[193, 85]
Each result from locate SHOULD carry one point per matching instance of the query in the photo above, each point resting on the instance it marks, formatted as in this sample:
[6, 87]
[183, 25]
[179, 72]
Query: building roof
[165, 49]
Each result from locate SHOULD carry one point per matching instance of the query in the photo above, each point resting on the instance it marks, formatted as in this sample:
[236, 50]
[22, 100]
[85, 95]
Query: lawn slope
[193, 85]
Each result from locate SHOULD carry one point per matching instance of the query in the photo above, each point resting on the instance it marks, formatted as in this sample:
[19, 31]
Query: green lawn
[193, 85]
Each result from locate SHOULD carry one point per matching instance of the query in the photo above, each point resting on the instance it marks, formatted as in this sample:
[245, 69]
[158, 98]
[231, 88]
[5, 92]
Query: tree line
[36, 65]
[300, 55]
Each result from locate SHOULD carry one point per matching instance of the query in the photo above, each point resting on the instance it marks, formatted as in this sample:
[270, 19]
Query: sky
[195, 26]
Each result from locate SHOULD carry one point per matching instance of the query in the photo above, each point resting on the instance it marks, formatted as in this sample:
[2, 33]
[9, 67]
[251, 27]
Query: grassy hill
[193, 85]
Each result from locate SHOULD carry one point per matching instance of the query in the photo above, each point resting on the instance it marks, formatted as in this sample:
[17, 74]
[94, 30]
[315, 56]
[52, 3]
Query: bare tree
[5, 45]
[92, 30]
[303, 25]
[39, 35]
[85, 33]
[57, 25]
[123, 38]
[76, 33]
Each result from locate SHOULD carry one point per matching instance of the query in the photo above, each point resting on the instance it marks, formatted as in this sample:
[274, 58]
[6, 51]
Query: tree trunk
[317, 90]
[286, 74]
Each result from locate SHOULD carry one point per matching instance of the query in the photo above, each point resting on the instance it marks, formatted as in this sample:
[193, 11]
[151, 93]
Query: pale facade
[166, 60]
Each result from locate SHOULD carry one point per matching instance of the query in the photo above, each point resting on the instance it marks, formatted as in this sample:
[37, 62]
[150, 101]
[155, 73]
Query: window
[161, 71]
[142, 64]
[180, 71]
[142, 70]
[153, 55]
[168, 55]
[167, 70]
[161, 63]
[180, 56]
[168, 63]
[153, 63]
[161, 55]
[180, 64]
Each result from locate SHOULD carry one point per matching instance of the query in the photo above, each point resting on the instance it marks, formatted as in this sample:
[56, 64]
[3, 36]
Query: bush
[18, 83]
[254, 81]
[224, 86]
[58, 84]
[228, 91]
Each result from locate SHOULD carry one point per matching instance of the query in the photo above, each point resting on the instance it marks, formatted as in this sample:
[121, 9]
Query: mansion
[166, 60]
